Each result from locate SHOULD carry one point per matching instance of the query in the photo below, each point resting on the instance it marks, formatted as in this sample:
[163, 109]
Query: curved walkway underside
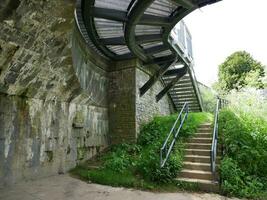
[126, 29]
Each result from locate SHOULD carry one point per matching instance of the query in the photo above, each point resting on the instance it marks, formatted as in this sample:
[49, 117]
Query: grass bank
[138, 165]
[244, 165]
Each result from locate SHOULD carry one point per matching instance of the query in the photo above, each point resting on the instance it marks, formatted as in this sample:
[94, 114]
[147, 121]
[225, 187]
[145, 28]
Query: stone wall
[91, 70]
[53, 101]
[146, 106]
[41, 138]
[61, 103]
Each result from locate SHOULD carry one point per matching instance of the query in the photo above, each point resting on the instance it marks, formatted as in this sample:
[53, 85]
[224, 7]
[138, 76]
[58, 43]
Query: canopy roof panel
[126, 29]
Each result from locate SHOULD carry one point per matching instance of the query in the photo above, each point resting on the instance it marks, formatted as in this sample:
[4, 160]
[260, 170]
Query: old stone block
[78, 121]
[3, 88]
[16, 67]
[29, 43]
[49, 155]
[10, 22]
[10, 77]
[81, 153]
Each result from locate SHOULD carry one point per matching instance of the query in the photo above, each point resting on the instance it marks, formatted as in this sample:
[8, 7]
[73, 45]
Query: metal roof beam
[118, 15]
[112, 41]
[135, 16]
[140, 39]
[109, 14]
[91, 30]
[160, 60]
[125, 56]
[154, 20]
[186, 3]
[153, 79]
[156, 49]
[172, 72]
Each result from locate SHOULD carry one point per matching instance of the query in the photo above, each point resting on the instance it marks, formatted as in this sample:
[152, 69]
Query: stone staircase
[197, 167]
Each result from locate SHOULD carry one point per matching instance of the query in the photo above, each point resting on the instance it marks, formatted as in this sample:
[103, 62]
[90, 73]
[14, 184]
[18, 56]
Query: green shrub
[121, 157]
[139, 164]
[149, 166]
[244, 167]
[236, 182]
[152, 137]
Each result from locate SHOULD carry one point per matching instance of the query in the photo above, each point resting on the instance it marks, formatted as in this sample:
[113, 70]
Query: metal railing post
[174, 133]
[213, 152]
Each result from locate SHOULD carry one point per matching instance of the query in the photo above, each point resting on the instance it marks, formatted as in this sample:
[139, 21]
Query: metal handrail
[195, 86]
[166, 149]
[213, 153]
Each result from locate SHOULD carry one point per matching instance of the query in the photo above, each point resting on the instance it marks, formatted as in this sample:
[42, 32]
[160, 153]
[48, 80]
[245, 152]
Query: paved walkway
[64, 187]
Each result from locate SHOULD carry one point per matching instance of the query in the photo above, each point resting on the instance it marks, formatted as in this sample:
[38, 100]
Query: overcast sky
[220, 29]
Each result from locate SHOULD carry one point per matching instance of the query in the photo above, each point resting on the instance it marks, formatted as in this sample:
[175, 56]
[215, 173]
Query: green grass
[138, 165]
[244, 165]
[130, 180]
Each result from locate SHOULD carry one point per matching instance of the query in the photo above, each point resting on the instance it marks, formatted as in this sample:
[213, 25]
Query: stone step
[200, 140]
[205, 126]
[200, 159]
[204, 130]
[196, 158]
[196, 174]
[199, 152]
[198, 146]
[204, 185]
[203, 135]
[208, 125]
[197, 166]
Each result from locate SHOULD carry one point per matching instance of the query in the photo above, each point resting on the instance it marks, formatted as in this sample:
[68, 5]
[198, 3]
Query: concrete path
[65, 187]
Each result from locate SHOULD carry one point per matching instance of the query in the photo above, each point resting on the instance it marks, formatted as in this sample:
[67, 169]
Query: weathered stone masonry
[60, 103]
[50, 118]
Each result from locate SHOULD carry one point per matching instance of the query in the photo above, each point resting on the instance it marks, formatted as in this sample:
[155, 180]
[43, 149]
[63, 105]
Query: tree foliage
[240, 70]
[208, 98]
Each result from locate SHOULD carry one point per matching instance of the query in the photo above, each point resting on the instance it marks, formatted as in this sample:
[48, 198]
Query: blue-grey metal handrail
[214, 140]
[166, 149]
[213, 153]
[195, 86]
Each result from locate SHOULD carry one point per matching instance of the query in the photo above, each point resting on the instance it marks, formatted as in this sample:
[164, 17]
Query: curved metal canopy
[125, 29]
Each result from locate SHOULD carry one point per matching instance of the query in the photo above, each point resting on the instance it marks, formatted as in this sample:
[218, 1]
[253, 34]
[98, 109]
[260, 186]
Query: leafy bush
[240, 69]
[244, 167]
[121, 157]
[139, 164]
[152, 137]
[149, 166]
[236, 182]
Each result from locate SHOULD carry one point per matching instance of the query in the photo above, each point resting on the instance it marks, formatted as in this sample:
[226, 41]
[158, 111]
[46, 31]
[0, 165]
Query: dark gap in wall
[7, 8]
